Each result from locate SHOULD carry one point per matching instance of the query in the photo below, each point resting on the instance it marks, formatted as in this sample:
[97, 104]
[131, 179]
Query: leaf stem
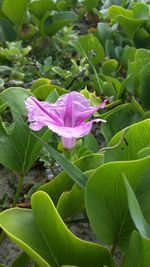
[117, 145]
[113, 249]
[19, 187]
[68, 154]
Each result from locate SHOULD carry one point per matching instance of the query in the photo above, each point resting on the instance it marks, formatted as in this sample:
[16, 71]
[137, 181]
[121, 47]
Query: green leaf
[141, 58]
[21, 227]
[144, 85]
[90, 5]
[145, 152]
[53, 23]
[39, 7]
[106, 201]
[89, 46]
[141, 11]
[126, 19]
[56, 233]
[136, 212]
[19, 148]
[115, 11]
[39, 82]
[9, 33]
[103, 32]
[119, 118]
[63, 181]
[47, 239]
[138, 252]
[110, 66]
[130, 25]
[71, 202]
[22, 260]
[136, 138]
[90, 141]
[15, 10]
[127, 55]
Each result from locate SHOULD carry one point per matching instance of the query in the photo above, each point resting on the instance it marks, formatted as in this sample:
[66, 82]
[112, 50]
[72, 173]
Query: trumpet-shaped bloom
[66, 117]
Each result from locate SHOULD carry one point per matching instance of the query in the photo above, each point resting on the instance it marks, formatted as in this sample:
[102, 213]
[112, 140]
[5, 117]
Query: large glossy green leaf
[63, 181]
[53, 23]
[39, 7]
[106, 200]
[21, 227]
[138, 252]
[18, 147]
[65, 247]
[43, 236]
[15, 10]
[89, 46]
[136, 138]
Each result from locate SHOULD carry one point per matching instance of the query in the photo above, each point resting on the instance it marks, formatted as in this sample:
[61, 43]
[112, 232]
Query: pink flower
[67, 117]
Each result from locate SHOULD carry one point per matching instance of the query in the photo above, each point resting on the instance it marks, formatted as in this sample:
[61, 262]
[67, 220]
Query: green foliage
[18, 147]
[138, 252]
[15, 10]
[133, 143]
[106, 201]
[101, 49]
[39, 8]
[89, 46]
[48, 241]
[53, 23]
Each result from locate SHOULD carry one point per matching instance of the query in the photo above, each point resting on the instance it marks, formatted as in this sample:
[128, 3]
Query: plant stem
[67, 154]
[19, 187]
[113, 249]
[118, 144]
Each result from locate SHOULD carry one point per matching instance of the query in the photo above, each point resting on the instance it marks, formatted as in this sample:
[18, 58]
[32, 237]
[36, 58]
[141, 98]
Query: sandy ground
[8, 250]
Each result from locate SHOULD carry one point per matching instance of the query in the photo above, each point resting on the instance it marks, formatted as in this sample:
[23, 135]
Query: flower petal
[75, 108]
[73, 132]
[41, 113]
